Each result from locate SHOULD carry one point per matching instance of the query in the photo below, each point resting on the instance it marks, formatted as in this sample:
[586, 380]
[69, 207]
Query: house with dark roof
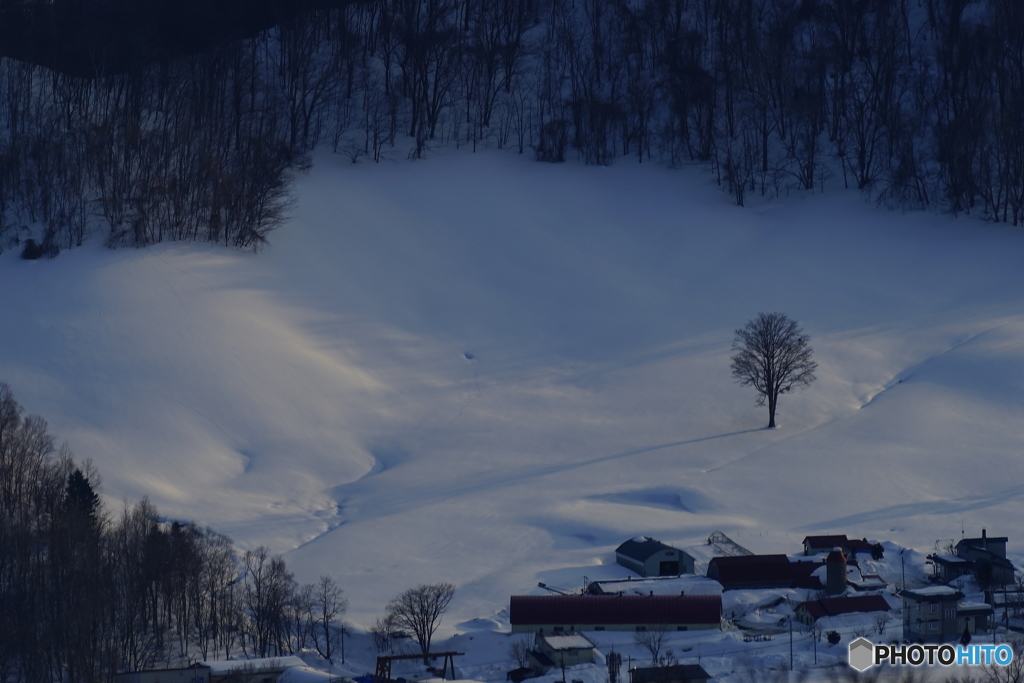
[946, 567]
[991, 544]
[650, 557]
[751, 572]
[678, 673]
[569, 613]
[812, 610]
[815, 545]
[987, 558]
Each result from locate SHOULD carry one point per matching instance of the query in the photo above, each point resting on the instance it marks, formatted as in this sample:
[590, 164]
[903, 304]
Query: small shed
[650, 557]
[975, 617]
[562, 649]
[679, 673]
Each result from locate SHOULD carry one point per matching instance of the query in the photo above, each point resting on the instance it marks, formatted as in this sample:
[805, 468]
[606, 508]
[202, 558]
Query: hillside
[490, 371]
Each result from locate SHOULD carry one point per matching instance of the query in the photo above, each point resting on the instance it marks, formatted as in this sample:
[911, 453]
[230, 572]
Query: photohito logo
[864, 654]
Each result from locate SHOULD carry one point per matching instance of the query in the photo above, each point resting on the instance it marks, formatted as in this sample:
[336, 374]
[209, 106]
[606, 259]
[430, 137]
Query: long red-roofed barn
[811, 611]
[557, 613]
[754, 572]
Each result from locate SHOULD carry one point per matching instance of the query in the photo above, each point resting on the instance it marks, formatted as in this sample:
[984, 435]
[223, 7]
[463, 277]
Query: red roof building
[558, 613]
[814, 545]
[751, 572]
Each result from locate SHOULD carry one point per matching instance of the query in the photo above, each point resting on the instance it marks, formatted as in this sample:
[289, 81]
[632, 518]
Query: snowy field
[489, 371]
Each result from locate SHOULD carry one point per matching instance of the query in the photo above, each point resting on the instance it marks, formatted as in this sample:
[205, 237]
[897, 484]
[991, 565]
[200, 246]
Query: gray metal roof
[642, 549]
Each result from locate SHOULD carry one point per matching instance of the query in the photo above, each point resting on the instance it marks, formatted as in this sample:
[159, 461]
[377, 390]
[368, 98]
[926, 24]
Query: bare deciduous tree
[419, 611]
[882, 620]
[773, 357]
[381, 631]
[651, 641]
[519, 651]
[331, 603]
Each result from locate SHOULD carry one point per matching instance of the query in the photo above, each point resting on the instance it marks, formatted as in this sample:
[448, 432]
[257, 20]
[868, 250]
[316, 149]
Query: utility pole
[614, 663]
[903, 569]
[791, 643]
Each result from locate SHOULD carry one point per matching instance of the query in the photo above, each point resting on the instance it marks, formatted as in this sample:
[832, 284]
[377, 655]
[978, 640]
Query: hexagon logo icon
[862, 654]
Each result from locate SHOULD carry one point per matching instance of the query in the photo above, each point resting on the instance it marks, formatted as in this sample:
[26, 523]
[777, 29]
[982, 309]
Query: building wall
[931, 621]
[569, 657]
[652, 566]
[631, 564]
[189, 675]
[975, 624]
[558, 628]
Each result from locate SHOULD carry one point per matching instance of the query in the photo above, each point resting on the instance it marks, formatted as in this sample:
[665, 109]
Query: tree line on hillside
[918, 102]
[86, 594]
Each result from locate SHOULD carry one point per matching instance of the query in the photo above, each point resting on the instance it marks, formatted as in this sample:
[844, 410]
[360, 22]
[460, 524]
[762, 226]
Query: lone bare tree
[773, 357]
[419, 610]
[652, 641]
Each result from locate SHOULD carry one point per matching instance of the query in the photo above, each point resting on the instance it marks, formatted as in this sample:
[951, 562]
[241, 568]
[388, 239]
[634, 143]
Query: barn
[650, 557]
[568, 613]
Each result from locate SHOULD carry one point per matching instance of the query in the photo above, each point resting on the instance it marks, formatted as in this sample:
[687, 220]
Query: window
[680, 628]
[933, 624]
[559, 628]
[933, 607]
[950, 613]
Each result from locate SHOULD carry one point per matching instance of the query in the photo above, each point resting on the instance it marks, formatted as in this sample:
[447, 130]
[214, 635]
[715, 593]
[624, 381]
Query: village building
[812, 610]
[264, 670]
[650, 557]
[929, 614]
[947, 568]
[987, 556]
[974, 617]
[559, 650]
[573, 613]
[753, 572]
[678, 673]
[935, 614]
[686, 584]
[816, 545]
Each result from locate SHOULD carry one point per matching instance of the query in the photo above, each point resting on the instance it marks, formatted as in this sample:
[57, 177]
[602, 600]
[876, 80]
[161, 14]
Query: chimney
[984, 539]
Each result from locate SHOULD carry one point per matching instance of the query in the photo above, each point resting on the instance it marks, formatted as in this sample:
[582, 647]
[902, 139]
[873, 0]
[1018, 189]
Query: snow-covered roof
[974, 607]
[572, 641]
[226, 666]
[946, 558]
[642, 547]
[304, 674]
[689, 584]
[933, 591]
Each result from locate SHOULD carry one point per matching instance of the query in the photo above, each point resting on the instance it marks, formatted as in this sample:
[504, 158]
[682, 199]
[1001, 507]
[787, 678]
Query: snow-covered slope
[491, 371]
